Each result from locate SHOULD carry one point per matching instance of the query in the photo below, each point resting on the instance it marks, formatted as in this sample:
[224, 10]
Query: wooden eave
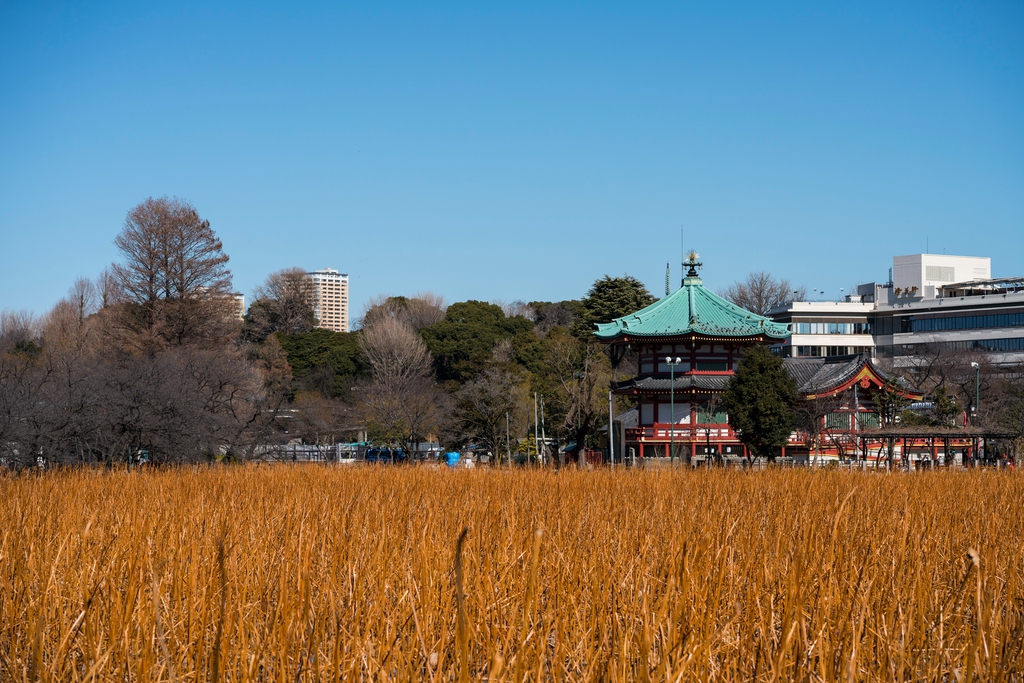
[688, 338]
[873, 378]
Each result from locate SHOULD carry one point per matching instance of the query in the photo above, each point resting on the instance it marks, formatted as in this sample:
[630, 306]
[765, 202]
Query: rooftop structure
[925, 274]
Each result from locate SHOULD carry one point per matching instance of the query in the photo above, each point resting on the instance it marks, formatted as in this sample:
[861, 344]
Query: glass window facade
[825, 351]
[1004, 345]
[968, 322]
[832, 328]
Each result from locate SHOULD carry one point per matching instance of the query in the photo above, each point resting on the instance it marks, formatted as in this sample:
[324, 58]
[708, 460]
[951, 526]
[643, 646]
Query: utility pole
[508, 442]
[536, 427]
[977, 392]
[543, 436]
[856, 420]
[611, 431]
[672, 407]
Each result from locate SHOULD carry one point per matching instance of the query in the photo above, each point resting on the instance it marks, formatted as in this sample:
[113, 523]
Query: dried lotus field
[318, 573]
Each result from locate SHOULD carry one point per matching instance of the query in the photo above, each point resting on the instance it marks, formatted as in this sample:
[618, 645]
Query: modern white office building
[930, 300]
[330, 299]
[827, 328]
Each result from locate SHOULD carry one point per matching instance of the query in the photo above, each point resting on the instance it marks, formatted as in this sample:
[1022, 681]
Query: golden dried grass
[277, 573]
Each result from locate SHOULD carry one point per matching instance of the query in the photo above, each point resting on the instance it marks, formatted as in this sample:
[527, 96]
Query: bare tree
[66, 397]
[514, 308]
[422, 310]
[319, 420]
[548, 315]
[491, 406]
[173, 274]
[82, 296]
[761, 292]
[18, 326]
[107, 291]
[582, 371]
[939, 366]
[284, 303]
[817, 419]
[400, 402]
[395, 353]
[1007, 401]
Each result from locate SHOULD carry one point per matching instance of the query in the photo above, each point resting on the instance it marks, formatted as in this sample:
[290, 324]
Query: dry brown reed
[277, 573]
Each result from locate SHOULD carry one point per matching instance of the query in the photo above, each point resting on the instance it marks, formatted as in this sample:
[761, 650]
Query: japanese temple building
[688, 346]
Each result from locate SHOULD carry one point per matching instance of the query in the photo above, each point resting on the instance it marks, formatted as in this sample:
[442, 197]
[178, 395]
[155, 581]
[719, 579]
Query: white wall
[927, 272]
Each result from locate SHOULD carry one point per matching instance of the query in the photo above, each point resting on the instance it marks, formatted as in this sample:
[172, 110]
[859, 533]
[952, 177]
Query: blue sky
[514, 151]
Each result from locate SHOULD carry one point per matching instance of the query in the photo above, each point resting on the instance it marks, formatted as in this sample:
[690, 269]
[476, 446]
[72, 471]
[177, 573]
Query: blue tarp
[451, 458]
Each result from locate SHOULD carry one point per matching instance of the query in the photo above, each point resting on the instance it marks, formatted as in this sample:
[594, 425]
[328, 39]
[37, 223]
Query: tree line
[464, 373]
[149, 361]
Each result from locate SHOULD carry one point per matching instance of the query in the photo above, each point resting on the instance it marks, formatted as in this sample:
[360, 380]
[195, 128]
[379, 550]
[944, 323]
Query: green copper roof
[692, 309]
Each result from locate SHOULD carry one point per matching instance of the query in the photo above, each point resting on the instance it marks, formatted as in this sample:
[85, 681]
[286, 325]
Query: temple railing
[703, 433]
[830, 440]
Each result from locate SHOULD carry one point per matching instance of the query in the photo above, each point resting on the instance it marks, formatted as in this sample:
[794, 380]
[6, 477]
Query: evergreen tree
[760, 399]
[610, 298]
[463, 343]
[324, 361]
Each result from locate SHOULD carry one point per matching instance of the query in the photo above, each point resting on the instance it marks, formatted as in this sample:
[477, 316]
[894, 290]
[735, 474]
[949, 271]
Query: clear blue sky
[514, 151]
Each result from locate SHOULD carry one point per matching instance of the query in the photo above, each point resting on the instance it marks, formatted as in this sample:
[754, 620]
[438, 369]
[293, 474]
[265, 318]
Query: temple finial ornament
[693, 264]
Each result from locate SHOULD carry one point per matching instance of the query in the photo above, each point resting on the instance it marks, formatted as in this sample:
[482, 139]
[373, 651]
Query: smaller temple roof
[692, 309]
[815, 376]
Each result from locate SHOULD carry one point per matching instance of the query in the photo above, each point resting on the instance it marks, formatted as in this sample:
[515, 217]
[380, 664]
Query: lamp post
[707, 435]
[977, 390]
[672, 405]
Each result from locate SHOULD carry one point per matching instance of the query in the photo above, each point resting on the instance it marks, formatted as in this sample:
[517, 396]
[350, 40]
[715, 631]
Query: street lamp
[672, 405]
[977, 387]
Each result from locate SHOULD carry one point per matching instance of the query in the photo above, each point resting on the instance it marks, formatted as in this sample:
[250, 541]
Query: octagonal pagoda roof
[692, 309]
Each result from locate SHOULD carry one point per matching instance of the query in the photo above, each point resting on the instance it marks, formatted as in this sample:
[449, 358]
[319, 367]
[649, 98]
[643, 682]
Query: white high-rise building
[330, 299]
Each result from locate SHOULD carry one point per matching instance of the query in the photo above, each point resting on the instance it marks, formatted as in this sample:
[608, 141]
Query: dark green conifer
[760, 399]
